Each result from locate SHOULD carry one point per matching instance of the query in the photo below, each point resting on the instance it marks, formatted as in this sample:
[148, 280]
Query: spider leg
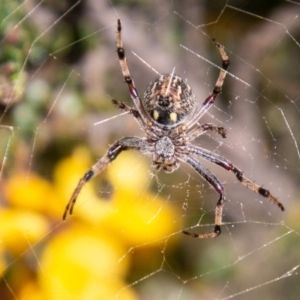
[210, 100]
[125, 107]
[126, 74]
[214, 181]
[147, 127]
[202, 128]
[119, 146]
[226, 164]
[132, 111]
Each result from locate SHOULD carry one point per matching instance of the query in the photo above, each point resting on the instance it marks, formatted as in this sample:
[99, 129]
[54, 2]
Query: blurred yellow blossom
[140, 216]
[129, 172]
[2, 260]
[69, 170]
[21, 229]
[80, 263]
[133, 213]
[30, 291]
[90, 257]
[34, 193]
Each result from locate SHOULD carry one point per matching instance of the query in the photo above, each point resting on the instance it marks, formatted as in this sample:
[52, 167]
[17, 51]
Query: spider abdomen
[169, 100]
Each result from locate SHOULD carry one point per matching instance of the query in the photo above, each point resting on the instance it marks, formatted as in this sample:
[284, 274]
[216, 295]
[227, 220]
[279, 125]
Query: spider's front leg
[210, 100]
[126, 74]
[214, 181]
[126, 108]
[119, 146]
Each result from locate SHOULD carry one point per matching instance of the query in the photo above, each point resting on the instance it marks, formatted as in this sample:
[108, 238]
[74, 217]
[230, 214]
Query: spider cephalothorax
[167, 116]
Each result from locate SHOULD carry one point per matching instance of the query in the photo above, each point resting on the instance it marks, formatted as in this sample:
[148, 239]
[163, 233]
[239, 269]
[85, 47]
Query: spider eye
[169, 101]
[163, 101]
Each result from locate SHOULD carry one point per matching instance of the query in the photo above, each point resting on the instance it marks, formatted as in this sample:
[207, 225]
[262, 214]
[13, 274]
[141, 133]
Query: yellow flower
[19, 230]
[80, 264]
[2, 261]
[32, 192]
[138, 215]
[133, 213]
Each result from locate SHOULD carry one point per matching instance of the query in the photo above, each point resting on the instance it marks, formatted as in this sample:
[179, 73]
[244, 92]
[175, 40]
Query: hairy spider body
[164, 157]
[167, 116]
[169, 101]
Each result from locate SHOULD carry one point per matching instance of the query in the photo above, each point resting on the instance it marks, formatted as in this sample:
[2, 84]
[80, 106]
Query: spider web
[59, 71]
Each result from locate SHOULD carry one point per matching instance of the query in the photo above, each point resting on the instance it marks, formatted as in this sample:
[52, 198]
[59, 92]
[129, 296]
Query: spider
[167, 116]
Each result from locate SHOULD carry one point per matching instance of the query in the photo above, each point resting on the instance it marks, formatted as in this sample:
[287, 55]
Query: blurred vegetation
[58, 72]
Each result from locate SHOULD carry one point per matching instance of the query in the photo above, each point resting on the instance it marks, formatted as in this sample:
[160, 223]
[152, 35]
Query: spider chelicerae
[167, 116]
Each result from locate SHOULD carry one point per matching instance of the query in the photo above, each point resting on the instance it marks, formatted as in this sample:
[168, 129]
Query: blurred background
[58, 73]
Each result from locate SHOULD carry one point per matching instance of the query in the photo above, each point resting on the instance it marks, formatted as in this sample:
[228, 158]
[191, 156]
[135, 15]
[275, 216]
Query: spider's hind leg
[218, 222]
[227, 165]
[214, 181]
[255, 187]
